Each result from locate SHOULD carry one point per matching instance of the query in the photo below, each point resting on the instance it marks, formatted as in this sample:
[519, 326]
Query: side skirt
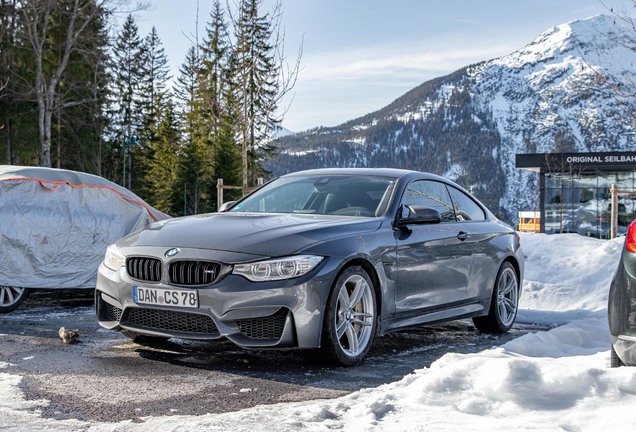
[431, 317]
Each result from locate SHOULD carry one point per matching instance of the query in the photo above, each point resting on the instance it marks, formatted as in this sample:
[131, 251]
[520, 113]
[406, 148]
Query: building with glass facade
[574, 190]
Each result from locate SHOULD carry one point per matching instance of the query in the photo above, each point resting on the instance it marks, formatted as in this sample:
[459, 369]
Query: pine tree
[164, 193]
[156, 74]
[127, 106]
[185, 88]
[209, 103]
[153, 99]
[213, 74]
[261, 81]
[253, 64]
[190, 166]
[228, 155]
[202, 90]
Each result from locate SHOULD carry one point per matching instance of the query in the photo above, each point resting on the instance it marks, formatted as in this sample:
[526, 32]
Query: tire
[144, 339]
[350, 318]
[615, 360]
[504, 303]
[11, 297]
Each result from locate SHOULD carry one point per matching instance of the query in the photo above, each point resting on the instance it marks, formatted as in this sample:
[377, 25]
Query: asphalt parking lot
[106, 377]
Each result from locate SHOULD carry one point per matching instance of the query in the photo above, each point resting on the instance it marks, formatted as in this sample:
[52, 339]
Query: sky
[554, 380]
[360, 55]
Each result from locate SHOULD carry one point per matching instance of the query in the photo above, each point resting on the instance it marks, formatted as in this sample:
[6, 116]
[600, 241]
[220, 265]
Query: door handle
[463, 235]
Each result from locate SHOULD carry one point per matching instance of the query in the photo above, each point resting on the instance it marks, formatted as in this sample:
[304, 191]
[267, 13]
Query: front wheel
[350, 318]
[11, 297]
[504, 303]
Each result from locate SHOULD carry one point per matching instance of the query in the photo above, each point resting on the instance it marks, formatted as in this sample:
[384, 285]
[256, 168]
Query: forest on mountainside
[456, 134]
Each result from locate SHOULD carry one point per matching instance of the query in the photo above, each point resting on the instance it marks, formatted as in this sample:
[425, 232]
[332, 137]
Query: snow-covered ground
[556, 380]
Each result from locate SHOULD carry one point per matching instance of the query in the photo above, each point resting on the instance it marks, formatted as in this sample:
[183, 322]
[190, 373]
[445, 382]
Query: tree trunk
[45, 138]
[44, 121]
[8, 138]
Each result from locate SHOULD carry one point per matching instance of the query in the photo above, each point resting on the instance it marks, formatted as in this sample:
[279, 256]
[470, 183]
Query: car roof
[381, 172]
[396, 173]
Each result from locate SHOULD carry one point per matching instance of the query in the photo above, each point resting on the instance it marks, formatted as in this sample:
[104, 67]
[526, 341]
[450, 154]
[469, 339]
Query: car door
[434, 260]
[471, 218]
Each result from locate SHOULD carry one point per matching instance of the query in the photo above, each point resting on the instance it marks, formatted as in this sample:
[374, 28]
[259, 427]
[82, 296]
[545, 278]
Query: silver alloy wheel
[11, 297]
[507, 296]
[355, 315]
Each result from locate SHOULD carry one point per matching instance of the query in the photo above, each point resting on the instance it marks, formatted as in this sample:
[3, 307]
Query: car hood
[265, 235]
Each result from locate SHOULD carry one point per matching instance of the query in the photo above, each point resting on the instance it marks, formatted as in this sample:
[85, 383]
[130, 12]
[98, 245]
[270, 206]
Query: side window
[465, 207]
[428, 193]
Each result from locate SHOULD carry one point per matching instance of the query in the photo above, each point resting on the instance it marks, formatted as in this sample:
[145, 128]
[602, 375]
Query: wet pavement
[107, 377]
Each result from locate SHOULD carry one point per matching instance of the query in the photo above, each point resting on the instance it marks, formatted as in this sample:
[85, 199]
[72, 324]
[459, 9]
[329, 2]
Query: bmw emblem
[172, 252]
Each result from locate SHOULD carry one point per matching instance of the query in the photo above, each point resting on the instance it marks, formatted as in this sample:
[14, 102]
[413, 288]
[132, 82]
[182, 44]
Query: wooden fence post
[220, 186]
[219, 193]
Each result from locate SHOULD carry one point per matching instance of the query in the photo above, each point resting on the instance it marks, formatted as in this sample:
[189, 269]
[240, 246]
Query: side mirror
[418, 215]
[226, 206]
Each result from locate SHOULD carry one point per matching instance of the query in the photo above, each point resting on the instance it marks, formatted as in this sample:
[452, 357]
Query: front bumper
[281, 314]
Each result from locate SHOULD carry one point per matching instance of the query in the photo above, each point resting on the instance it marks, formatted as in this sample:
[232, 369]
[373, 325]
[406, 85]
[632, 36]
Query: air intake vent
[170, 321]
[112, 313]
[270, 327]
[193, 272]
[144, 268]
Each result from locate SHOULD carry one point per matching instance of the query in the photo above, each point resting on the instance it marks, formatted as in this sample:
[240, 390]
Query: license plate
[165, 297]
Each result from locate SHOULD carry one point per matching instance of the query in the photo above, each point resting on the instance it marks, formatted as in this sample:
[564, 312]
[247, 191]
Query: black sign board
[602, 161]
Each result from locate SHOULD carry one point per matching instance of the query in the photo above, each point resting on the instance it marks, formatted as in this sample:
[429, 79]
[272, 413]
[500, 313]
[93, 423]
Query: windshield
[348, 195]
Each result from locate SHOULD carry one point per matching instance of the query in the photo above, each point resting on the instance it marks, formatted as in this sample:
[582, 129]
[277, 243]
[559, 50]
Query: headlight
[113, 259]
[277, 269]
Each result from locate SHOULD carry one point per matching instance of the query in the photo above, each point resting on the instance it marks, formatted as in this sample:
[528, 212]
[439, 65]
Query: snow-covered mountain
[282, 132]
[571, 89]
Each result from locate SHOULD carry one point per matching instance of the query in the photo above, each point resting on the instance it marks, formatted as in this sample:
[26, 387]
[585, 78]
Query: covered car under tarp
[55, 225]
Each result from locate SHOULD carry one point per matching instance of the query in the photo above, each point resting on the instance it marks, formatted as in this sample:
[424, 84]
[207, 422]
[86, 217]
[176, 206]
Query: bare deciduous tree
[37, 17]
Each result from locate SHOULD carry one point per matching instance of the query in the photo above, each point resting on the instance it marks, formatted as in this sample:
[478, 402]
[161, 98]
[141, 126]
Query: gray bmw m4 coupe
[327, 259]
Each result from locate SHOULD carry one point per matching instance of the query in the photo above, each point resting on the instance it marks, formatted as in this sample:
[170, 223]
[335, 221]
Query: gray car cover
[55, 225]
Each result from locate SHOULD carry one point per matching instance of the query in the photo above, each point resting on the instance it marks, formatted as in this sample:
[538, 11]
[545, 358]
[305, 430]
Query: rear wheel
[11, 297]
[504, 303]
[350, 318]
